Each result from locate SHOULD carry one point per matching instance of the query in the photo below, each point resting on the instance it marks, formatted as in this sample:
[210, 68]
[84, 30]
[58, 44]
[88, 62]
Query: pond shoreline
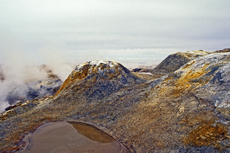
[69, 136]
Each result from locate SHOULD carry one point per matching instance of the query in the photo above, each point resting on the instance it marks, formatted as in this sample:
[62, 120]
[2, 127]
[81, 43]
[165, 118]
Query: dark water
[71, 137]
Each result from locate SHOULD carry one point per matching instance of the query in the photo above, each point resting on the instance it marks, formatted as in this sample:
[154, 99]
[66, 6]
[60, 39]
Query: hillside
[186, 110]
[176, 60]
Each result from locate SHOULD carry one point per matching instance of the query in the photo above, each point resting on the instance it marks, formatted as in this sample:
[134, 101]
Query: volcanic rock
[183, 111]
[223, 50]
[176, 60]
[106, 75]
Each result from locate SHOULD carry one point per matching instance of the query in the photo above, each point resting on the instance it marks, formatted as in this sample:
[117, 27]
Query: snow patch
[111, 64]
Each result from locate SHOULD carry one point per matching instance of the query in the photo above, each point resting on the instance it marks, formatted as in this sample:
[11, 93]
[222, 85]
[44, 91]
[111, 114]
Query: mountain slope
[183, 111]
[176, 60]
[99, 71]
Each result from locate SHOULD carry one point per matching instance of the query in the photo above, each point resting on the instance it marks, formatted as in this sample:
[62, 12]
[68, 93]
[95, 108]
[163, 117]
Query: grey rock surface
[186, 110]
[176, 60]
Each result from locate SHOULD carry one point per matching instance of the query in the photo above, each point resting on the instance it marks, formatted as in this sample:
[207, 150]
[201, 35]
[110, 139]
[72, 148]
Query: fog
[18, 69]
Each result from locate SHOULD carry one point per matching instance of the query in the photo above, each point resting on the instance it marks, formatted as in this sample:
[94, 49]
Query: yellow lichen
[207, 134]
[191, 75]
[186, 81]
[188, 65]
[73, 76]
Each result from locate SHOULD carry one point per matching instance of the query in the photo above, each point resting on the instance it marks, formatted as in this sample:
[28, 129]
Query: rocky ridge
[183, 111]
[176, 60]
[223, 50]
[99, 71]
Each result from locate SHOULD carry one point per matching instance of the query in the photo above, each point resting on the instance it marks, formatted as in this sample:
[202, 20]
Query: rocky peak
[103, 68]
[93, 72]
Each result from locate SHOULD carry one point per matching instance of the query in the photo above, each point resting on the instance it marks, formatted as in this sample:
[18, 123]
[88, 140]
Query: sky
[133, 32]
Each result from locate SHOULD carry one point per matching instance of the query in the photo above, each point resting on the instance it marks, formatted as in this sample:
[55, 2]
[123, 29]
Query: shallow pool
[71, 137]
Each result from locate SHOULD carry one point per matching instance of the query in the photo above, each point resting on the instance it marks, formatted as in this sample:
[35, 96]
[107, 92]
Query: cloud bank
[99, 24]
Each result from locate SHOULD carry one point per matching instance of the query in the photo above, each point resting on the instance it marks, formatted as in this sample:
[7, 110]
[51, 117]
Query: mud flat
[71, 137]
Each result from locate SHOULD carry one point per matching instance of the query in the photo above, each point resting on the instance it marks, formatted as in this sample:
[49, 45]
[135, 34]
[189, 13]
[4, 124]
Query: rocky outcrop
[175, 61]
[97, 72]
[183, 111]
[202, 102]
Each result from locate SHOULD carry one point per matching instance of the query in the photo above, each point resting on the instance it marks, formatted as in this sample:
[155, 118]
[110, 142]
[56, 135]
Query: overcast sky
[133, 32]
